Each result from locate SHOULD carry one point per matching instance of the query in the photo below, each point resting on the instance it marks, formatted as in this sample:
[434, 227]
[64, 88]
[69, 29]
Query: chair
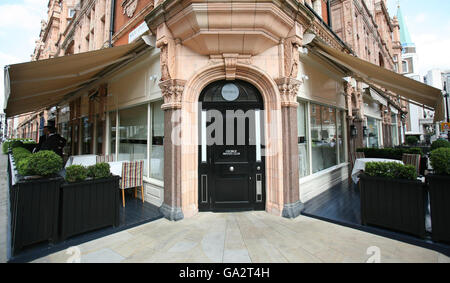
[412, 159]
[105, 158]
[132, 177]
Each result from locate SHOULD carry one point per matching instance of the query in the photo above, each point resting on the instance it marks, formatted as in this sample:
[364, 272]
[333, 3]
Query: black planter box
[397, 205]
[439, 187]
[89, 205]
[34, 211]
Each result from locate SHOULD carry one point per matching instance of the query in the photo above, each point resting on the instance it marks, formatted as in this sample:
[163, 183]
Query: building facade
[72, 26]
[368, 29]
[231, 104]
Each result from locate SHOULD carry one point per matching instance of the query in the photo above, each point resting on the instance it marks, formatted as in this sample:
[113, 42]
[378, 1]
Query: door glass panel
[203, 136]
[258, 135]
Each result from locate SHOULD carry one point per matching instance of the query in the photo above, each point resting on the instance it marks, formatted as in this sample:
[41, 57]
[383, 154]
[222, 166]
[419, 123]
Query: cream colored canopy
[407, 88]
[35, 85]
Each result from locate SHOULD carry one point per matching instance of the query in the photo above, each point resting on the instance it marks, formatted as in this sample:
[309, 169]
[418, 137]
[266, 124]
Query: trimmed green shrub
[20, 152]
[99, 171]
[389, 153]
[23, 167]
[412, 140]
[45, 163]
[440, 161]
[13, 143]
[76, 173]
[440, 143]
[391, 170]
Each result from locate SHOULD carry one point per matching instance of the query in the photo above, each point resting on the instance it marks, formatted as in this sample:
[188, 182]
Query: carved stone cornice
[230, 66]
[129, 7]
[251, 34]
[288, 88]
[325, 35]
[172, 92]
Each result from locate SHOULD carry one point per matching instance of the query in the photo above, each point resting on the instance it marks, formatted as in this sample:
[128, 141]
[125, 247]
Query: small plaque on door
[231, 152]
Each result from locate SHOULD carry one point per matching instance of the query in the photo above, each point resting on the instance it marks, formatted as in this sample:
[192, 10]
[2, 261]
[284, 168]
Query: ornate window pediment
[129, 7]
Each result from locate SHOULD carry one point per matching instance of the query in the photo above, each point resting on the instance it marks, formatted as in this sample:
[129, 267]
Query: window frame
[308, 111]
[146, 177]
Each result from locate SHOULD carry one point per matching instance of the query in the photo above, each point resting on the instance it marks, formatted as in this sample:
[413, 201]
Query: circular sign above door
[230, 92]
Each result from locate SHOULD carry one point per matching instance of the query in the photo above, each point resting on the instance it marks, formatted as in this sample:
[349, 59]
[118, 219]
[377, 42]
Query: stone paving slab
[256, 237]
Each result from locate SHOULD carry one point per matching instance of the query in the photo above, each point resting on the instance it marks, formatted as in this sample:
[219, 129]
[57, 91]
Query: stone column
[172, 91]
[355, 118]
[288, 88]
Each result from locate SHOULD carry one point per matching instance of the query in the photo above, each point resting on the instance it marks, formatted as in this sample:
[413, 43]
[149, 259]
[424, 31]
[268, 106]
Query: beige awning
[35, 85]
[401, 85]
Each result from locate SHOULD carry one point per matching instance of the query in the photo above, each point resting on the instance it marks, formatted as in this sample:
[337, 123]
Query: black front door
[231, 165]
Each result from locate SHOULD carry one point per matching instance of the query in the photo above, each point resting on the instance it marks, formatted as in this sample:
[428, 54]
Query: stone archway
[189, 149]
[181, 122]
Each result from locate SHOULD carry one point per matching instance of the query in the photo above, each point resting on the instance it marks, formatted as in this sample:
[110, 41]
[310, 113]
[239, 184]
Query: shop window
[41, 126]
[133, 135]
[341, 136]
[86, 136]
[65, 131]
[157, 148]
[100, 124]
[303, 157]
[75, 133]
[323, 139]
[374, 129]
[112, 131]
[394, 130]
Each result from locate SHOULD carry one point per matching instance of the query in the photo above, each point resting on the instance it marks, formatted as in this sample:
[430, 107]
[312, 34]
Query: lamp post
[446, 95]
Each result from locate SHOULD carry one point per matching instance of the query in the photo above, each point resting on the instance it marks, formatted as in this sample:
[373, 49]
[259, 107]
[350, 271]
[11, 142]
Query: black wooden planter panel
[393, 204]
[34, 207]
[88, 206]
[440, 207]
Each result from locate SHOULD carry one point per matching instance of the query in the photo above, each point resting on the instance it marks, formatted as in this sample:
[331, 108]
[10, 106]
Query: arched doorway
[231, 163]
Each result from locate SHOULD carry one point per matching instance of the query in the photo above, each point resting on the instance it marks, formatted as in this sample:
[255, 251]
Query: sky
[428, 22]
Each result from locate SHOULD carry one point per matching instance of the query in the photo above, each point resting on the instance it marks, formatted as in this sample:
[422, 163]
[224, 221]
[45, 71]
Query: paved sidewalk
[256, 237]
[4, 210]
